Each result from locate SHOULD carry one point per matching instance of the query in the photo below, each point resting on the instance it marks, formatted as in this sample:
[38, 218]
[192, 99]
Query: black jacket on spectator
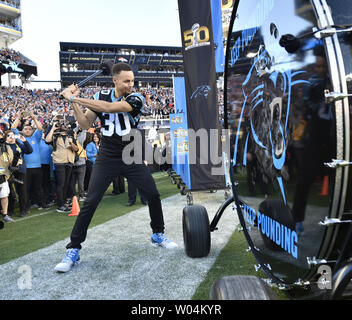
[23, 148]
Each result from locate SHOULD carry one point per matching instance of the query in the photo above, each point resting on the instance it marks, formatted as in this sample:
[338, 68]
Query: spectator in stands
[34, 174]
[19, 146]
[11, 55]
[64, 149]
[46, 103]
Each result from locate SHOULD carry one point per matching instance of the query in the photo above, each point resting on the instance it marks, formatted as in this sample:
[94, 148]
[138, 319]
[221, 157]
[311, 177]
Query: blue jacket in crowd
[45, 152]
[33, 159]
[91, 151]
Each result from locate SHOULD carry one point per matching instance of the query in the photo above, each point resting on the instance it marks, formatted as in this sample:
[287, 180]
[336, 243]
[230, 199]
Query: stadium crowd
[12, 55]
[159, 102]
[52, 156]
[8, 23]
[12, 3]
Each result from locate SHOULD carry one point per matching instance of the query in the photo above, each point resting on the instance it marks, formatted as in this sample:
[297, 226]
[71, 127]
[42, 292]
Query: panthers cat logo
[201, 91]
[266, 104]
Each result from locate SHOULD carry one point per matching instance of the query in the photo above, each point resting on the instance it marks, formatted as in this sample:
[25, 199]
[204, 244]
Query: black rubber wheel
[241, 288]
[196, 231]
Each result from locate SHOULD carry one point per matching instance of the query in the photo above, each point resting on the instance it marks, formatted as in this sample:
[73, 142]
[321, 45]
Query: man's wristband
[71, 99]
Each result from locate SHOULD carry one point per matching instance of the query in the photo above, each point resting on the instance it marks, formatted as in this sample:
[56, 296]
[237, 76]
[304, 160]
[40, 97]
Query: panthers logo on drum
[266, 106]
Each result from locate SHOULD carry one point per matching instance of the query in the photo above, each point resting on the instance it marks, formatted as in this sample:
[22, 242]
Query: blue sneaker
[159, 239]
[70, 260]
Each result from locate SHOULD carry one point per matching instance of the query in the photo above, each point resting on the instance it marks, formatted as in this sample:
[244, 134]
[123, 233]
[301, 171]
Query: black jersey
[116, 125]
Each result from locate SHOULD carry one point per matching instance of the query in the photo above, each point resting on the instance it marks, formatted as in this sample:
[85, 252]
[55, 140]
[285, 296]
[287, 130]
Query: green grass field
[41, 229]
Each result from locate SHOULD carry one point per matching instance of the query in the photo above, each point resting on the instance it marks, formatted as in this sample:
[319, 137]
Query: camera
[26, 114]
[59, 121]
[13, 168]
[63, 129]
[61, 125]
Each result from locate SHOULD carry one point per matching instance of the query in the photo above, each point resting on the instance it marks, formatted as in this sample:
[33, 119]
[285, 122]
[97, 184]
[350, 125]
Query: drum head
[283, 134]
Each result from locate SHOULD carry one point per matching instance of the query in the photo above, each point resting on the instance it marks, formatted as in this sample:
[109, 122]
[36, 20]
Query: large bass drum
[287, 83]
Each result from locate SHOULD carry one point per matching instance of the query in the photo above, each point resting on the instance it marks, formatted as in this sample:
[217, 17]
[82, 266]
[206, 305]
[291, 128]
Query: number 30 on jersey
[118, 123]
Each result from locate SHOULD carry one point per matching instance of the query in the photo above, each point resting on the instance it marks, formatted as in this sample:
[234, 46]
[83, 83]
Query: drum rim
[334, 57]
[338, 198]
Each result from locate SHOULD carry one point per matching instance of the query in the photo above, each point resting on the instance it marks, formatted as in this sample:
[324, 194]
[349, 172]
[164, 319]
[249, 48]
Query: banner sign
[85, 58]
[200, 88]
[138, 59]
[216, 15]
[179, 133]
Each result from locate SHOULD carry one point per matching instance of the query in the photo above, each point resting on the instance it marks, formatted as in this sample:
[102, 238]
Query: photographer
[64, 149]
[19, 146]
[6, 158]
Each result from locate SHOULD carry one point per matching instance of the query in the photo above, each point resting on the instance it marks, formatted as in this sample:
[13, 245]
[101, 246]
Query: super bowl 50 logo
[198, 36]
[226, 4]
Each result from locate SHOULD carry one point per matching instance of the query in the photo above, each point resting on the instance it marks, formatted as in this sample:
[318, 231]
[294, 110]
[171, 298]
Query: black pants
[118, 185]
[46, 184]
[20, 189]
[34, 177]
[104, 171]
[63, 178]
[132, 192]
[77, 177]
[89, 168]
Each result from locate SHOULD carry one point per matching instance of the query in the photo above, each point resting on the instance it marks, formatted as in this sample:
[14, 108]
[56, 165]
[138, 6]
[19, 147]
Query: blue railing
[17, 28]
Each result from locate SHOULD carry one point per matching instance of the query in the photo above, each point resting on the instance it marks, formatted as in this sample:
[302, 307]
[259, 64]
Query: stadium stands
[152, 65]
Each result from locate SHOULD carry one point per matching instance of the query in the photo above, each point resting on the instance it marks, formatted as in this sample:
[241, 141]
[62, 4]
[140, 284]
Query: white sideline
[119, 262]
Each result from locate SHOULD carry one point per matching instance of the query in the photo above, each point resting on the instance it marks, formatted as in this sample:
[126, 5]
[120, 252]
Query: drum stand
[342, 272]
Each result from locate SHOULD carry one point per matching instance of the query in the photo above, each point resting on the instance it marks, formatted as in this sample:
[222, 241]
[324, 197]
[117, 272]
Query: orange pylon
[325, 187]
[75, 207]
